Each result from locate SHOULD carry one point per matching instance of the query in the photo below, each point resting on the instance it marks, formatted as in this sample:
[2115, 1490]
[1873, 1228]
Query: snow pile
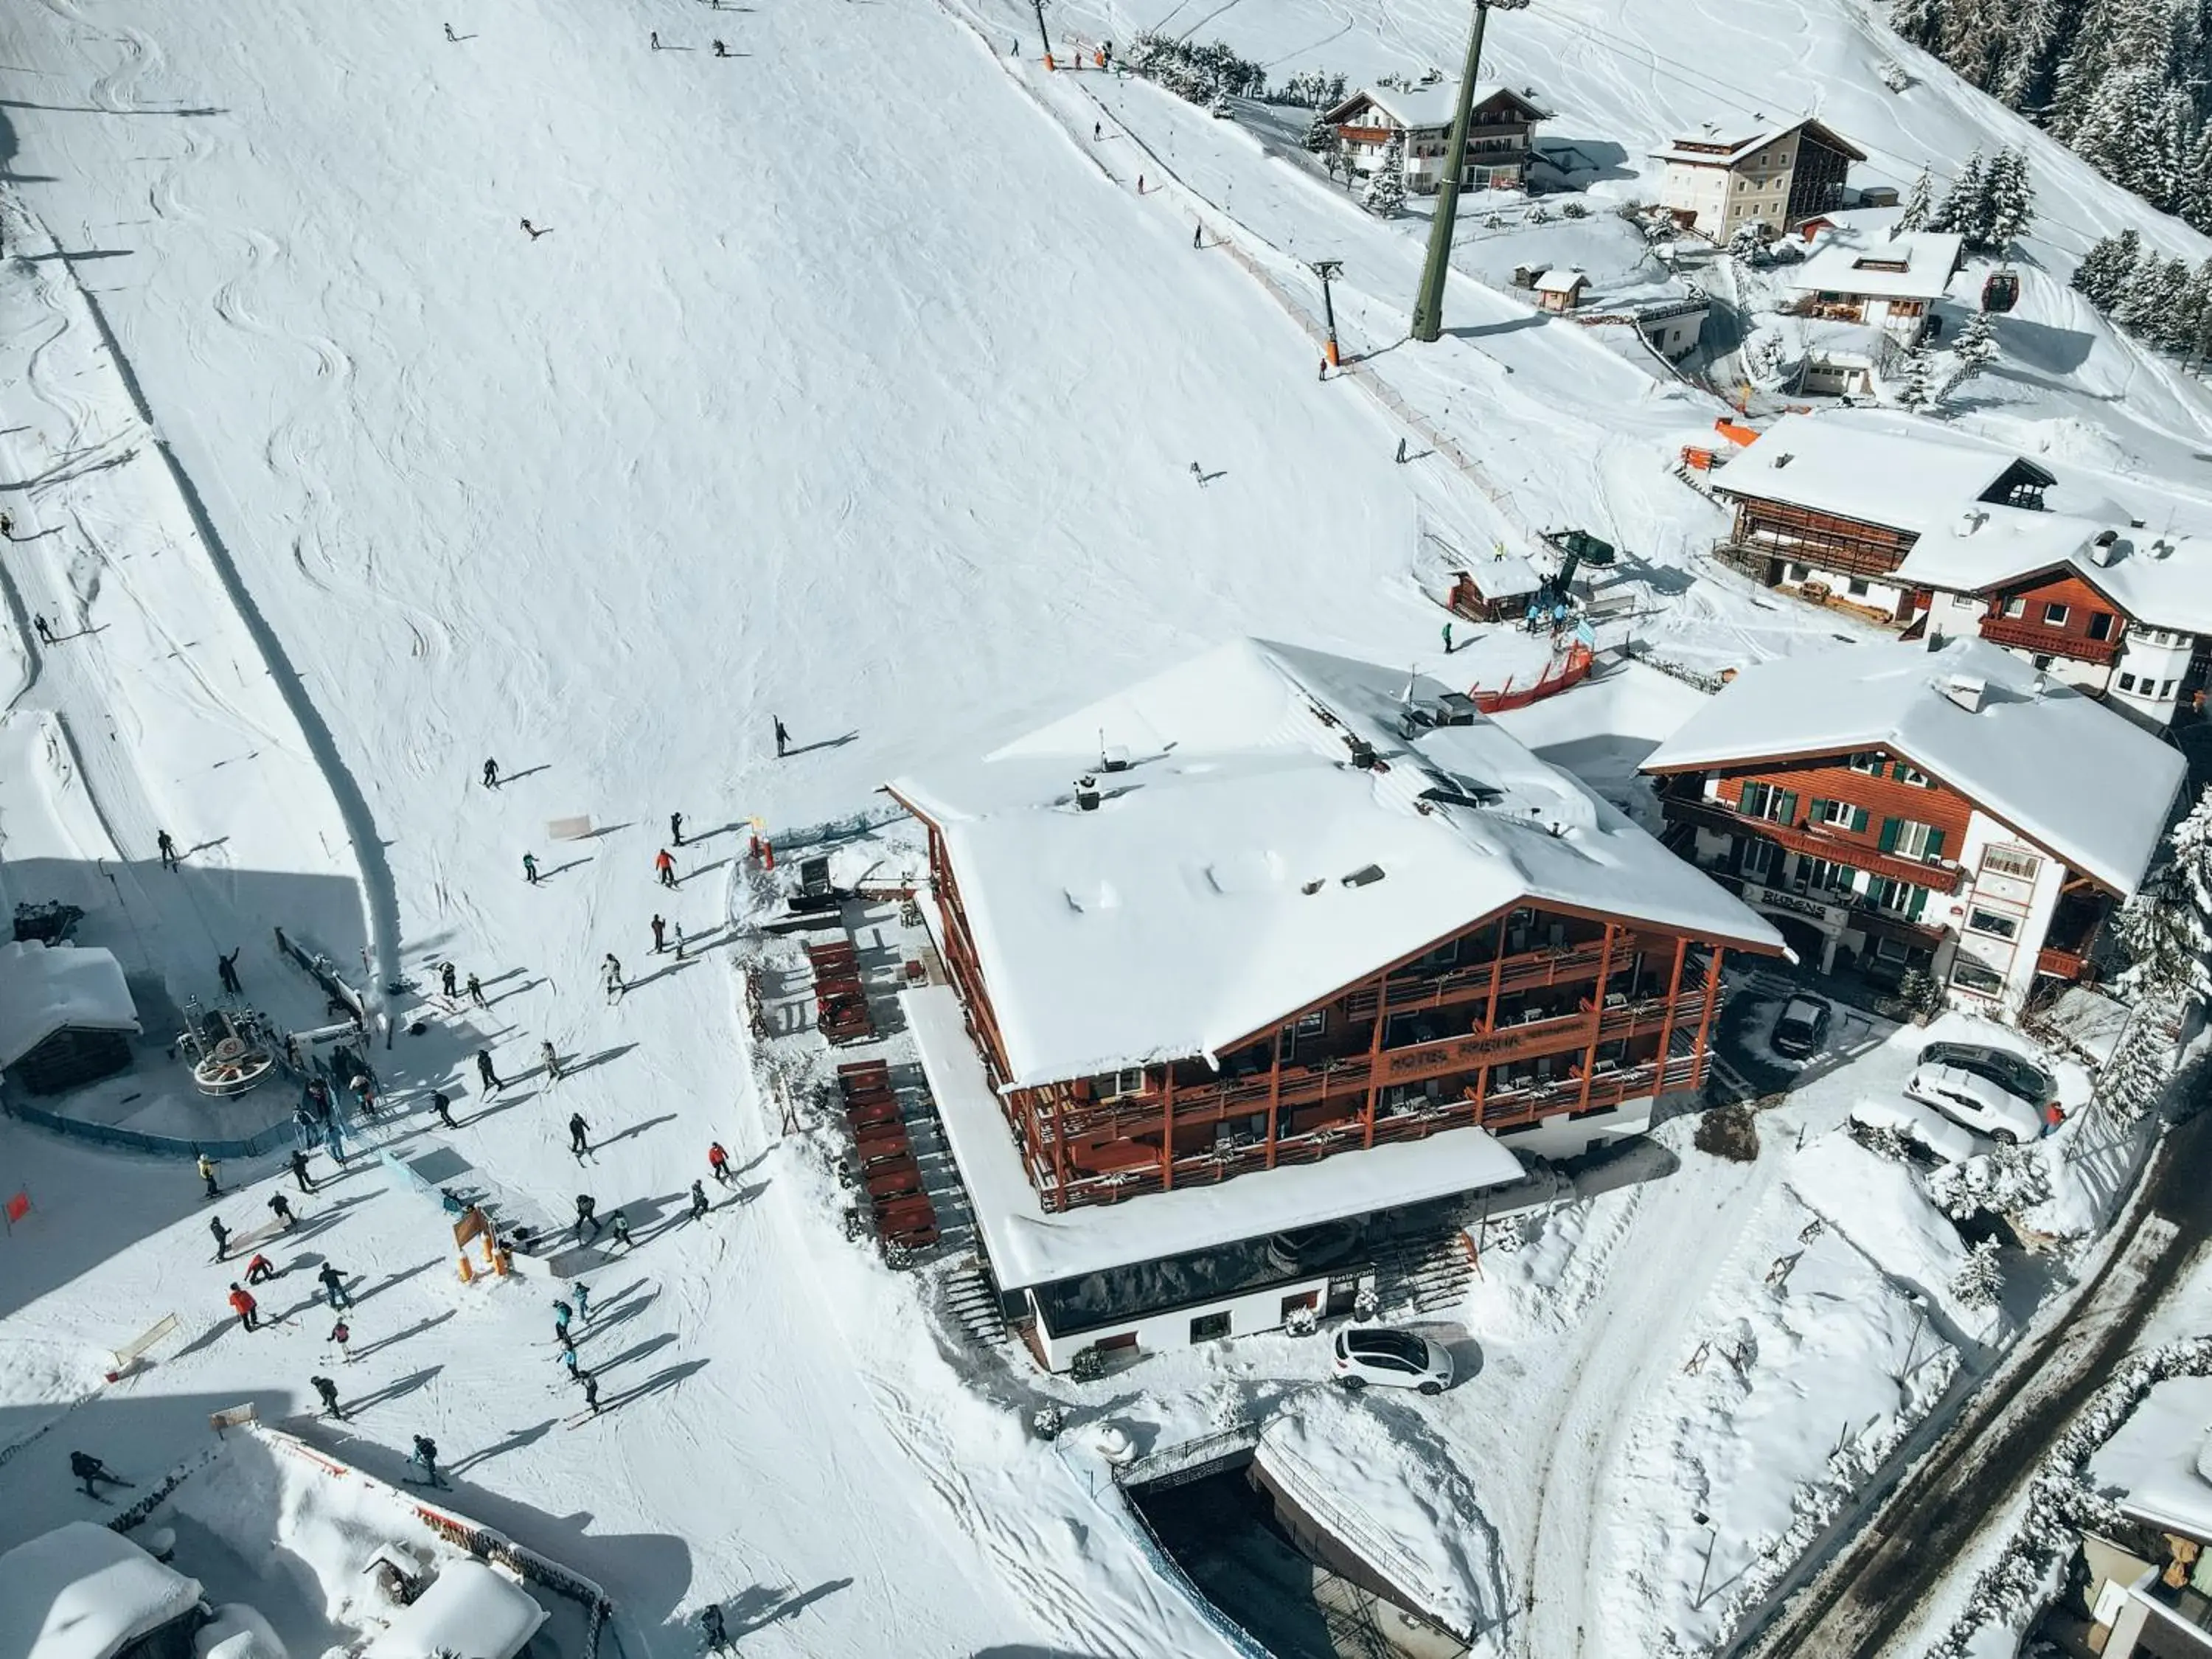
[1374, 1475]
[238, 1631]
[82, 1592]
[471, 1607]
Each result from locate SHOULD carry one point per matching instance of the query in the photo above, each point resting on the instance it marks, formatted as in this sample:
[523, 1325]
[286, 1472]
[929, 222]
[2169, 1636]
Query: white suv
[1976, 1101]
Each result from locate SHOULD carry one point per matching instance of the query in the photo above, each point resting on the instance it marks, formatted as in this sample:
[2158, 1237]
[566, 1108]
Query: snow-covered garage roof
[83, 1592]
[1246, 865]
[2059, 768]
[46, 988]
[2159, 1463]
[470, 1609]
[1029, 1247]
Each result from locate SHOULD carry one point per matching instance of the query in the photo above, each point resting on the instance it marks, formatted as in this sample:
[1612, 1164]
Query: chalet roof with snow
[1433, 106]
[1561, 281]
[1246, 863]
[82, 1591]
[470, 1607]
[1866, 254]
[1859, 471]
[2158, 1465]
[1716, 146]
[2102, 810]
[46, 988]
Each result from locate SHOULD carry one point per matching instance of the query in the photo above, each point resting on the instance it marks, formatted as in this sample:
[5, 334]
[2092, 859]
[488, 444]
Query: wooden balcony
[1529, 970]
[1941, 877]
[2043, 640]
[2068, 965]
[1875, 563]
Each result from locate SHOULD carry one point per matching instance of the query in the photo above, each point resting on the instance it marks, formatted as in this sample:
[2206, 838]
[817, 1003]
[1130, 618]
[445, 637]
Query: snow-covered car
[1909, 1121]
[2002, 1067]
[1974, 1101]
[1391, 1359]
[1801, 1027]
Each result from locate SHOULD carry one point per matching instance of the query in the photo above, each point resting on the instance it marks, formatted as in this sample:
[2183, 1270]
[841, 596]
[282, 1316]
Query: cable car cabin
[2001, 292]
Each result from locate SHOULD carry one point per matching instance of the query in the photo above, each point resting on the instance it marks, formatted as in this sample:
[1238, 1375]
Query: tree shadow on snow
[636, 1129]
[756, 1608]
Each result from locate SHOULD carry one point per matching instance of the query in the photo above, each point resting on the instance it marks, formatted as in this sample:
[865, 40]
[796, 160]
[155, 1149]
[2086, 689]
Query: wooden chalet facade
[1500, 134]
[1538, 1015]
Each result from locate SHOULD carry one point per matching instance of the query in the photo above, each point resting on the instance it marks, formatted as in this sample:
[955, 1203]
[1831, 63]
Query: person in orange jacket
[243, 1304]
[718, 1165]
[261, 1267]
[665, 867]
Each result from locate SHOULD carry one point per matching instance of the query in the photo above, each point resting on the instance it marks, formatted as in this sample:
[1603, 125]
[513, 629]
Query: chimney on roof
[1086, 793]
[2106, 548]
[1969, 691]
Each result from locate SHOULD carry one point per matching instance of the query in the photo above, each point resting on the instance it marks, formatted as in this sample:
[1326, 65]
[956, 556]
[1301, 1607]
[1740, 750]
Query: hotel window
[2011, 861]
[1869, 763]
[1312, 1024]
[1899, 898]
[1764, 801]
[2015, 607]
[1909, 839]
[2054, 615]
[1129, 1081]
[1995, 923]
[1857, 587]
[1970, 976]
[2127, 682]
[2167, 689]
[2100, 625]
[1839, 814]
[1759, 860]
[1911, 775]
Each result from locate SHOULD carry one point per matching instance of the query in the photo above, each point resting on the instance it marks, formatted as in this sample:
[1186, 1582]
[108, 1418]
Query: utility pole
[1326, 270]
[1428, 303]
[1044, 37]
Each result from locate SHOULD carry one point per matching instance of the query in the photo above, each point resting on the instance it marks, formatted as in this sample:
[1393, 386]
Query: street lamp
[1428, 303]
[1326, 270]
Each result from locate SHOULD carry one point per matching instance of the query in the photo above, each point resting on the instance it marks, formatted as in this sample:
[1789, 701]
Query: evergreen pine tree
[2011, 200]
[1920, 22]
[1962, 202]
[1980, 1278]
[1320, 137]
[2039, 32]
[2194, 202]
[2134, 1077]
[1918, 202]
[2179, 329]
[2103, 274]
[2192, 840]
[1976, 346]
[2148, 302]
[2164, 938]
[1917, 390]
[1385, 190]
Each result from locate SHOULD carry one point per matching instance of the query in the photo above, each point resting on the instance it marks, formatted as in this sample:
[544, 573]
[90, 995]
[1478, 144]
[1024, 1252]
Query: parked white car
[1975, 1101]
[1916, 1123]
[1390, 1359]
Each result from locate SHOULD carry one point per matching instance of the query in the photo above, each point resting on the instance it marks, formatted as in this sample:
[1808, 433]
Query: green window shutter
[1788, 814]
[1897, 770]
[1889, 834]
[1919, 902]
[1858, 820]
[1819, 810]
[1934, 845]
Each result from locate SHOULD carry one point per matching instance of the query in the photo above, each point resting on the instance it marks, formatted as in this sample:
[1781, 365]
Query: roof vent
[1969, 691]
[1086, 793]
[1783, 460]
[1363, 752]
[1311, 888]
[2106, 548]
[1365, 876]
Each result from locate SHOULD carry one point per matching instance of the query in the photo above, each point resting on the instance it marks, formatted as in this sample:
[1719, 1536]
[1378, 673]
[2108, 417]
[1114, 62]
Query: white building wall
[2029, 905]
[1258, 1310]
[2153, 664]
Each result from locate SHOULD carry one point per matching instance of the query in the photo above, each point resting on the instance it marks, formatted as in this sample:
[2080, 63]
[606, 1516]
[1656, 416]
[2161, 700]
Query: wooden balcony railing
[2044, 640]
[1527, 970]
[2060, 964]
[1940, 876]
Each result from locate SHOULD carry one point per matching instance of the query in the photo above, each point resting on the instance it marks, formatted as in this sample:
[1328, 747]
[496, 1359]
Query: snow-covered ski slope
[847, 385]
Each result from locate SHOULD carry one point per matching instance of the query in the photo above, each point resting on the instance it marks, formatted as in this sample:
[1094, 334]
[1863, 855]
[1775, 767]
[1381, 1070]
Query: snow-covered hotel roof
[1716, 146]
[1247, 864]
[2083, 783]
[1865, 253]
[47, 988]
[83, 1592]
[1421, 108]
[1937, 487]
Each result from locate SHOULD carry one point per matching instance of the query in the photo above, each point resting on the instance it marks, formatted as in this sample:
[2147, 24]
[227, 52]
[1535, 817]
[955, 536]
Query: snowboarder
[167, 847]
[476, 993]
[485, 1071]
[1197, 475]
[335, 1294]
[491, 767]
[552, 1061]
[583, 1295]
[299, 1171]
[221, 1236]
[710, 1629]
[621, 1225]
[782, 738]
[329, 1391]
[664, 866]
[1447, 639]
[281, 1207]
[45, 634]
[341, 1333]
[84, 1466]
[611, 973]
[444, 1109]
[699, 1205]
[243, 1304]
[580, 1135]
[530, 868]
[659, 929]
[426, 1458]
[718, 1165]
[207, 1174]
[535, 233]
[450, 35]
[562, 1313]
[585, 1204]
[590, 1390]
[446, 975]
[260, 1269]
[676, 828]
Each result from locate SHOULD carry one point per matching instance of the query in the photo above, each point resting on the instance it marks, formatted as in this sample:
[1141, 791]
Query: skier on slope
[568, 1359]
[534, 232]
[699, 1205]
[660, 932]
[243, 1304]
[426, 1458]
[448, 974]
[281, 1206]
[782, 738]
[580, 1135]
[583, 1295]
[679, 941]
[84, 1466]
[167, 847]
[585, 1204]
[530, 868]
[491, 767]
[590, 1390]
[299, 1171]
[261, 1270]
[341, 1333]
[485, 1071]
[226, 969]
[221, 1236]
[335, 1294]
[444, 1107]
[621, 1225]
[718, 1165]
[329, 1391]
[475, 991]
[676, 828]
[450, 35]
[45, 634]
[710, 1628]
[552, 1061]
[562, 1313]
[611, 971]
[207, 1174]
[664, 868]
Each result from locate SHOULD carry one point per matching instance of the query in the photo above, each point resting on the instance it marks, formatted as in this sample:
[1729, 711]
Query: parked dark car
[1802, 1026]
[2007, 1070]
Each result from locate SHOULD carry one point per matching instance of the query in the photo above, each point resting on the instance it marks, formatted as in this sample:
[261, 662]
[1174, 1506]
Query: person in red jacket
[718, 1165]
[664, 867]
[242, 1302]
[261, 1267]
